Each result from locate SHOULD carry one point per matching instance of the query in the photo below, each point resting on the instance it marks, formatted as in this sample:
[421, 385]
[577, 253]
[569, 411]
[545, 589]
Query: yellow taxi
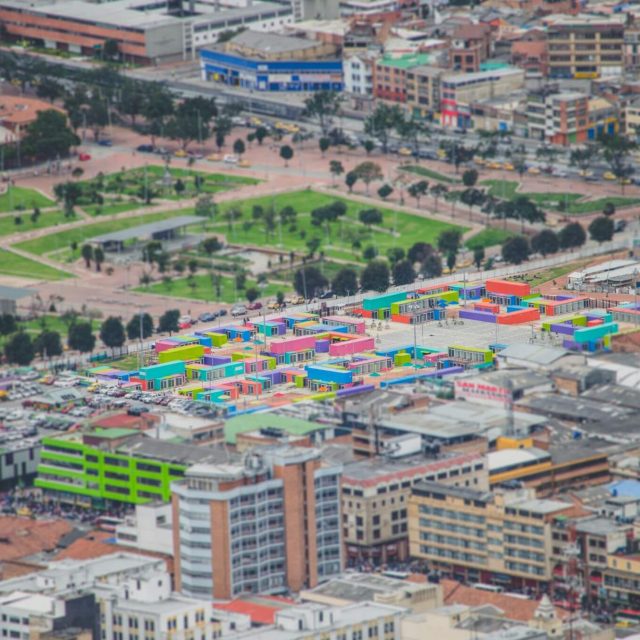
[404, 151]
[441, 153]
[255, 121]
[494, 165]
[245, 164]
[507, 166]
[214, 157]
[180, 153]
[479, 160]
[585, 173]
[607, 175]
[534, 171]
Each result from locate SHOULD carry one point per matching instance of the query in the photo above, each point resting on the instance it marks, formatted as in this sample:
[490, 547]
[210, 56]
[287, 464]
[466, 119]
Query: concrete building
[272, 62]
[267, 523]
[390, 75]
[586, 46]
[16, 114]
[145, 32]
[423, 90]
[460, 91]
[471, 44]
[316, 622]
[149, 530]
[358, 74]
[18, 462]
[474, 536]
[9, 297]
[375, 494]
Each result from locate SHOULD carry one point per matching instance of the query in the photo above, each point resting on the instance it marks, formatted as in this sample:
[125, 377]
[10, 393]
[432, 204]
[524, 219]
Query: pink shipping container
[292, 344]
[347, 347]
[163, 345]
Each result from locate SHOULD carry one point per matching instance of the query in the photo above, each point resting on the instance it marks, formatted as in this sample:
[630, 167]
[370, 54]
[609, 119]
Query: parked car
[83, 157]
[221, 313]
[254, 306]
[238, 310]
[619, 225]
[230, 159]
[145, 148]
[105, 143]
[207, 316]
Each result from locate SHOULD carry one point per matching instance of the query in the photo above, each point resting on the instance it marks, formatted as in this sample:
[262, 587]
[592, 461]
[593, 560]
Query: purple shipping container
[566, 329]
[480, 316]
[351, 391]
[322, 346]
[212, 361]
[572, 345]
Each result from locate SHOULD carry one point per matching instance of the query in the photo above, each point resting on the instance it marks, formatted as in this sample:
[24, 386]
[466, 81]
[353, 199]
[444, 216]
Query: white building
[360, 621]
[149, 530]
[358, 74]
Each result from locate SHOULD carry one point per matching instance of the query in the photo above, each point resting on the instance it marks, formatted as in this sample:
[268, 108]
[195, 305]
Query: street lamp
[635, 294]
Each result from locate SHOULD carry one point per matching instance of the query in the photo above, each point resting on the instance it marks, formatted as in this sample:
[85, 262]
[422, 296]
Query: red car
[254, 306]
[83, 157]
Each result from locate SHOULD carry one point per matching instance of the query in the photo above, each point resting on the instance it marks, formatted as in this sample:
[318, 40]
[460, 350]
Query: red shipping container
[519, 317]
[593, 323]
[487, 306]
[508, 288]
[397, 317]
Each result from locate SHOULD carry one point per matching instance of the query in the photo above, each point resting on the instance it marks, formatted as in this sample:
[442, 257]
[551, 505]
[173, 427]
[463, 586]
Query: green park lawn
[424, 172]
[489, 237]
[49, 218]
[112, 207]
[15, 265]
[63, 239]
[337, 243]
[132, 181]
[557, 201]
[202, 289]
[21, 198]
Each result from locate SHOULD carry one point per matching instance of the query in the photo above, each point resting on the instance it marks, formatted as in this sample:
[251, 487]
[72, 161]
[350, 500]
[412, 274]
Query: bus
[488, 587]
[627, 618]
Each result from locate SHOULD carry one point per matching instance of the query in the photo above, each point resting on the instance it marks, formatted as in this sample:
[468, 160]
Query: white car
[230, 159]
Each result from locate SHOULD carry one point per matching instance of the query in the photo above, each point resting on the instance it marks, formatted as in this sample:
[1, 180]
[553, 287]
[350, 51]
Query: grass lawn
[204, 290]
[17, 198]
[14, 265]
[557, 201]
[126, 363]
[63, 239]
[111, 208]
[488, 238]
[540, 277]
[430, 173]
[8, 224]
[337, 241]
[132, 181]
[52, 323]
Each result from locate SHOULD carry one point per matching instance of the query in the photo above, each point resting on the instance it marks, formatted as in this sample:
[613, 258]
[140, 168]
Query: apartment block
[621, 583]
[475, 536]
[460, 91]
[423, 90]
[375, 496]
[390, 75]
[268, 523]
[470, 46]
[586, 46]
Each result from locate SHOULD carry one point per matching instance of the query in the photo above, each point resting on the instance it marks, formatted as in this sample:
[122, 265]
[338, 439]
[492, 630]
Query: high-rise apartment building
[477, 536]
[586, 46]
[267, 523]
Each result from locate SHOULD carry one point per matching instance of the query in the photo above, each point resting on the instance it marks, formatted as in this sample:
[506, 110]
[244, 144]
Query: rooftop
[271, 420]
[406, 61]
[13, 293]
[272, 42]
[22, 537]
[506, 458]
[184, 454]
[147, 230]
[261, 609]
[533, 353]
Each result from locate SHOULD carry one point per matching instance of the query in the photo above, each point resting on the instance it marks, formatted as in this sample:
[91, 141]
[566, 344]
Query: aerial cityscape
[319, 320]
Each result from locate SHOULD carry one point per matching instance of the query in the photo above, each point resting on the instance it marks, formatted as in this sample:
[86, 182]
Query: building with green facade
[99, 467]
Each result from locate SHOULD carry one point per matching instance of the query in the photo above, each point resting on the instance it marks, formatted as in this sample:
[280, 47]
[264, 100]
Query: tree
[345, 282]
[370, 253]
[403, 272]
[382, 122]
[179, 187]
[323, 106]
[87, 254]
[368, 172]
[48, 344]
[206, 207]
[81, 337]
[583, 158]
[132, 99]
[350, 180]
[370, 217]
[238, 147]
[49, 89]
[324, 144]
[609, 209]
[469, 178]
[545, 243]
[432, 265]
[286, 153]
[112, 332]
[615, 151]
[110, 49]
[168, 321]
[261, 133]
[419, 251]
[449, 241]
[49, 137]
[19, 349]
[68, 193]
[395, 254]
[97, 115]
[571, 236]
[375, 276]
[478, 256]
[417, 190]
[8, 324]
[309, 282]
[472, 197]
[516, 250]
[133, 326]
[437, 192]
[451, 261]
[98, 258]
[385, 191]
[211, 245]
[191, 121]
[252, 294]
[547, 155]
[368, 146]
[601, 229]
[157, 108]
[336, 169]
